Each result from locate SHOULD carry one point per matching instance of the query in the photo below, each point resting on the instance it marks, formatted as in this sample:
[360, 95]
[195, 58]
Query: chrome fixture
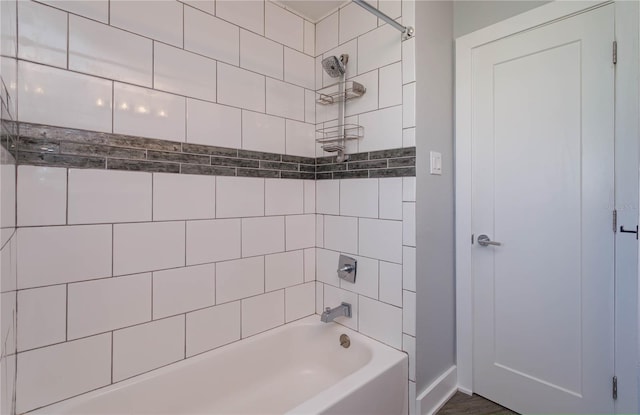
[330, 314]
[352, 90]
[345, 341]
[333, 138]
[335, 67]
[407, 31]
[484, 240]
[347, 268]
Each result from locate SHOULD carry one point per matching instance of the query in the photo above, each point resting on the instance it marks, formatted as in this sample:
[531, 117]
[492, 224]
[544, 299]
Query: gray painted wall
[437, 24]
[469, 16]
[435, 340]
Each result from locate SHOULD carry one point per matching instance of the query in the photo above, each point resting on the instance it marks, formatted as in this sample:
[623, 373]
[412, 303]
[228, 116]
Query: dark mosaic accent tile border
[397, 162]
[8, 129]
[66, 147]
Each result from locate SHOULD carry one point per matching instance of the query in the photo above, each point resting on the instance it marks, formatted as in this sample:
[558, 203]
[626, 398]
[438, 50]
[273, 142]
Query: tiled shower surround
[123, 272]
[165, 196]
[8, 251]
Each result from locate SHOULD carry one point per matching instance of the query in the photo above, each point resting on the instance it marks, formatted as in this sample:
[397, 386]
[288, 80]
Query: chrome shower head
[335, 67]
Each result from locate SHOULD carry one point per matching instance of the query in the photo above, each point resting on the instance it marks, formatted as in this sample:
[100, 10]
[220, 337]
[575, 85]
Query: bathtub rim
[383, 358]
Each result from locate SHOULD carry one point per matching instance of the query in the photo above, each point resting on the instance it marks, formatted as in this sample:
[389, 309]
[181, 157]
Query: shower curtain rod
[407, 31]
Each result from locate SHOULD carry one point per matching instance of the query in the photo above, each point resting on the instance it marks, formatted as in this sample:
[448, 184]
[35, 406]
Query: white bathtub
[299, 368]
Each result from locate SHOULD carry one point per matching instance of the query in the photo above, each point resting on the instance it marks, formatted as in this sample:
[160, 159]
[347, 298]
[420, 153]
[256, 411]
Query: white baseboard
[465, 390]
[438, 393]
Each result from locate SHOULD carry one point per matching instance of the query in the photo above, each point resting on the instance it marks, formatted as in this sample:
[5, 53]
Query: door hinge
[615, 221]
[615, 387]
[615, 52]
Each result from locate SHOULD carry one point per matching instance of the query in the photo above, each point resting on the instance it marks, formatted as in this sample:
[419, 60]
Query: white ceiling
[313, 10]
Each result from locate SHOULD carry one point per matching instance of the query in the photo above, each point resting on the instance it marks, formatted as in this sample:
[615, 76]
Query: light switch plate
[435, 163]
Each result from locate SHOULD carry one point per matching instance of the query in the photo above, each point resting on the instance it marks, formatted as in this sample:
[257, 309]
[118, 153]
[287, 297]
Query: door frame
[542, 15]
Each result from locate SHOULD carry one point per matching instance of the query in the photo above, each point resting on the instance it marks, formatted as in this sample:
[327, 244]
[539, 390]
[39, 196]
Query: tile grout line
[66, 201]
[152, 284]
[113, 243]
[112, 335]
[66, 311]
[68, 51]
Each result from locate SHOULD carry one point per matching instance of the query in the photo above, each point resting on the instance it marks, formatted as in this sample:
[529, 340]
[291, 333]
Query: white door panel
[543, 165]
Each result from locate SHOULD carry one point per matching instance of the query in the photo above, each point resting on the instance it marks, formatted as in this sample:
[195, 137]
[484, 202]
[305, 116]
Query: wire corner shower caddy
[333, 138]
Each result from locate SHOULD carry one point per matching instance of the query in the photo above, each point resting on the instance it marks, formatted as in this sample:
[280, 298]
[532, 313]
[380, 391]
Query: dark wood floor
[463, 404]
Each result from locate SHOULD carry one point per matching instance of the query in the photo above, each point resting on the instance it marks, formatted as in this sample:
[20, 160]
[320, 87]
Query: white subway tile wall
[43, 196]
[300, 231]
[391, 198]
[359, 197]
[299, 301]
[148, 113]
[42, 317]
[103, 305]
[208, 6]
[85, 363]
[300, 138]
[283, 26]
[283, 270]
[87, 100]
[262, 312]
[299, 69]
[239, 279]
[149, 246]
[284, 197]
[63, 254]
[141, 348]
[228, 53]
[213, 327]
[248, 14]
[96, 10]
[179, 290]
[285, 100]
[213, 124]
[191, 263]
[103, 50]
[200, 28]
[36, 38]
[327, 33]
[174, 270]
[178, 196]
[238, 197]
[157, 19]
[185, 73]
[212, 240]
[262, 236]
[103, 196]
[8, 223]
[364, 219]
[354, 21]
[261, 55]
[9, 322]
[263, 132]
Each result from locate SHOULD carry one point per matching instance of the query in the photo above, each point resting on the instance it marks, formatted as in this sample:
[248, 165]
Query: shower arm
[407, 31]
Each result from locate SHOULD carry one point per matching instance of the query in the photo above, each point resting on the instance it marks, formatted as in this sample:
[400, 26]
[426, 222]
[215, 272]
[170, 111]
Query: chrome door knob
[484, 240]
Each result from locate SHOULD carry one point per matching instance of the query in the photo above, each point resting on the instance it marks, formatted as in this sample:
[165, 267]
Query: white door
[543, 187]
